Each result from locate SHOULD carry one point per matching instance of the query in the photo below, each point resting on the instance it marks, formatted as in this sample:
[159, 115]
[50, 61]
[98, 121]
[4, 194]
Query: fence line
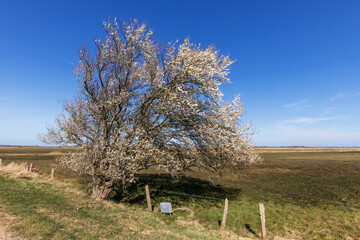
[239, 213]
[198, 196]
[204, 213]
[204, 197]
[279, 209]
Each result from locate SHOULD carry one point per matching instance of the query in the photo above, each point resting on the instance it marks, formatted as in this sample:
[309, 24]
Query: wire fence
[209, 211]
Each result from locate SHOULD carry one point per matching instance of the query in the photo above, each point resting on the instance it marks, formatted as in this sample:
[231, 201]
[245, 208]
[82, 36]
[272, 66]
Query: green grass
[47, 210]
[308, 194]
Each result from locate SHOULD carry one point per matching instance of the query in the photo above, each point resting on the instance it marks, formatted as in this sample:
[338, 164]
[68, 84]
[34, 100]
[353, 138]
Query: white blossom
[140, 105]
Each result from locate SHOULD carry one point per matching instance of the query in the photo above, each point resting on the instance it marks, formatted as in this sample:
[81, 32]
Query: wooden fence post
[223, 222]
[30, 167]
[52, 174]
[0, 161]
[148, 197]
[262, 220]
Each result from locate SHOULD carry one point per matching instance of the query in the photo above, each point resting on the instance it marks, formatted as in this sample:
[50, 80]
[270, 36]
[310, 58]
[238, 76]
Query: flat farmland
[42, 157]
[308, 193]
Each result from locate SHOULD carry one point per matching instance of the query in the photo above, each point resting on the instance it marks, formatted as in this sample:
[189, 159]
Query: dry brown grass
[228, 235]
[54, 153]
[6, 222]
[304, 149]
[17, 170]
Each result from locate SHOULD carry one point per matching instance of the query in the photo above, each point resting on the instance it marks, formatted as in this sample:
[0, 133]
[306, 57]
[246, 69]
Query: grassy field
[42, 157]
[44, 209]
[308, 193]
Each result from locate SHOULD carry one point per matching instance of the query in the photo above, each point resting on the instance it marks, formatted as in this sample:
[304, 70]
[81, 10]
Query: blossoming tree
[141, 105]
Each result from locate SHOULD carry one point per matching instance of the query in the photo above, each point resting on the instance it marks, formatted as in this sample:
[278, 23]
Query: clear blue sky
[297, 68]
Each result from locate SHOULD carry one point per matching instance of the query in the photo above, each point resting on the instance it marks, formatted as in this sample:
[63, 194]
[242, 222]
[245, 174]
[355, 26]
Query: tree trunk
[101, 192]
[85, 182]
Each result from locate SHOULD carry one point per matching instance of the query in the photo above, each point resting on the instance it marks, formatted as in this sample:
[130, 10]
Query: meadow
[308, 193]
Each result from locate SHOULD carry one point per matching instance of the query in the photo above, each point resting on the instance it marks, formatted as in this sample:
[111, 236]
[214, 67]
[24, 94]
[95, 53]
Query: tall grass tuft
[17, 170]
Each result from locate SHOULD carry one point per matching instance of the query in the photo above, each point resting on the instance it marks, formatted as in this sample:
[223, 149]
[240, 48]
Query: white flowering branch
[139, 106]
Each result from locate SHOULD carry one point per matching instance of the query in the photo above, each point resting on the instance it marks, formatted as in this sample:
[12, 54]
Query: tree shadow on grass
[182, 189]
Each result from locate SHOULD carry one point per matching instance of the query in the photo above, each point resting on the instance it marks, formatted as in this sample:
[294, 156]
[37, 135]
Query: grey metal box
[165, 207]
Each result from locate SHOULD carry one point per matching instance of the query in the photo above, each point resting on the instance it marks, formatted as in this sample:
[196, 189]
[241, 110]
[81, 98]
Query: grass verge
[55, 210]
